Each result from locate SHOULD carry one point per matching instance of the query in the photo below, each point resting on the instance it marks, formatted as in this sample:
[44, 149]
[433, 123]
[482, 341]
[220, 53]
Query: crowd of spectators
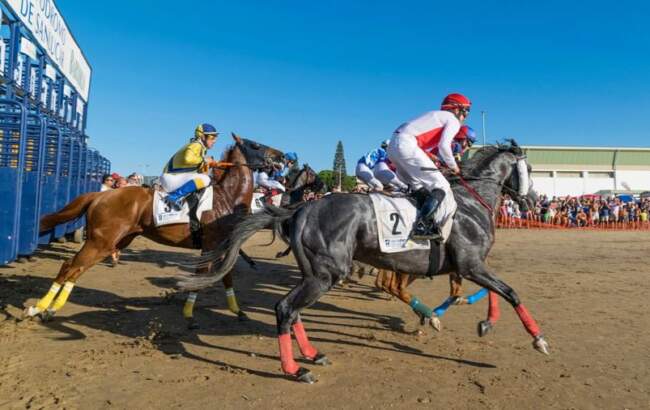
[585, 211]
[115, 180]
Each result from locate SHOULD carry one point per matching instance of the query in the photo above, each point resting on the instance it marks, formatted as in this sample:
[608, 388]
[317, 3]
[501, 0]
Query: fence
[45, 161]
[507, 222]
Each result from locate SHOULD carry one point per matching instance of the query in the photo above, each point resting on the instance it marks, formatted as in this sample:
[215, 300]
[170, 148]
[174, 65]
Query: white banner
[45, 22]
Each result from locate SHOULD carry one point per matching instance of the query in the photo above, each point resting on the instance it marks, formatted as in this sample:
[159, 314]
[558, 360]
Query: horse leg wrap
[440, 310]
[306, 348]
[493, 310]
[63, 297]
[188, 308]
[528, 321]
[471, 299]
[289, 365]
[232, 300]
[46, 300]
[421, 308]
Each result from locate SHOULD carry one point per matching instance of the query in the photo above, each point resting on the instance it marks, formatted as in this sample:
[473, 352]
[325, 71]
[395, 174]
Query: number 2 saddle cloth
[396, 216]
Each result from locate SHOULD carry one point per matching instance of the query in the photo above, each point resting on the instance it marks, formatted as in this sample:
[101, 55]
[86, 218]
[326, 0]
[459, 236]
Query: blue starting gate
[45, 161]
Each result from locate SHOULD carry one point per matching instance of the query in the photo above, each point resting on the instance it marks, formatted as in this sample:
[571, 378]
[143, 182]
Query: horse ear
[236, 138]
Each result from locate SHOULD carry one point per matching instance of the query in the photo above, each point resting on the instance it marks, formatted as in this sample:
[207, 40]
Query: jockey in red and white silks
[410, 152]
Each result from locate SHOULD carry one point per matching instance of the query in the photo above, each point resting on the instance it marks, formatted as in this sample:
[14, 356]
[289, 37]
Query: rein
[475, 194]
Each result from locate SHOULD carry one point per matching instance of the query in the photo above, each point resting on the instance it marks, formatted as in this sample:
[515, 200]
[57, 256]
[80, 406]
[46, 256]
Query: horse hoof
[435, 323]
[484, 327]
[30, 312]
[321, 359]
[541, 345]
[192, 324]
[242, 317]
[460, 301]
[305, 376]
[47, 315]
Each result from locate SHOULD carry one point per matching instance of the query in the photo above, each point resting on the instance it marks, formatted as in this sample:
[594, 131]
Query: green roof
[585, 156]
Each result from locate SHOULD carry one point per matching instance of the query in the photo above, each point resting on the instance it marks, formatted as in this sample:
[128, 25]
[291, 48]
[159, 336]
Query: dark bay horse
[326, 235]
[300, 181]
[114, 218]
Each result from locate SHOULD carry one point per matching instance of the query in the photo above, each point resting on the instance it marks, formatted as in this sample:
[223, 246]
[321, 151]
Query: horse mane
[484, 156]
[219, 173]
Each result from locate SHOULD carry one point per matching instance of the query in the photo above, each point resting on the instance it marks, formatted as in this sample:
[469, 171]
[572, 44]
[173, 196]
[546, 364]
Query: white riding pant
[409, 159]
[171, 182]
[365, 174]
[386, 176]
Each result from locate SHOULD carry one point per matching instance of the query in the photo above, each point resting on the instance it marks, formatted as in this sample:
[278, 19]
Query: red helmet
[456, 101]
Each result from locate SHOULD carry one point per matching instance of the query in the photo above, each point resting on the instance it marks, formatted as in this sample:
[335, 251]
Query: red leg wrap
[528, 321]
[306, 348]
[289, 366]
[493, 310]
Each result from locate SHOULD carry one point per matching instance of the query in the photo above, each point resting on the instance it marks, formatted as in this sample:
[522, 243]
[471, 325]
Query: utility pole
[483, 120]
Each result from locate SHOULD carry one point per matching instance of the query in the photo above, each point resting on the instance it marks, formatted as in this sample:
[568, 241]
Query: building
[574, 171]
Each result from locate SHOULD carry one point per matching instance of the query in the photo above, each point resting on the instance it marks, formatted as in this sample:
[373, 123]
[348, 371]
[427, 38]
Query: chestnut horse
[114, 218]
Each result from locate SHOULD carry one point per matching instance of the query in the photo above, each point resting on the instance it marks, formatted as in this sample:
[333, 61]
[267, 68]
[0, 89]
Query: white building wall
[633, 179]
[574, 186]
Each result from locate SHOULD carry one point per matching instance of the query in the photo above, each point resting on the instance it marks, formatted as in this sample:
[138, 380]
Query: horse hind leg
[92, 252]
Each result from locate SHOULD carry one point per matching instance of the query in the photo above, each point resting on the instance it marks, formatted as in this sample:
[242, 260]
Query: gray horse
[326, 236]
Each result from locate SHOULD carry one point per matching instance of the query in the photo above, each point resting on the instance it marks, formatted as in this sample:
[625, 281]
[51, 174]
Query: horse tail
[271, 216]
[73, 210]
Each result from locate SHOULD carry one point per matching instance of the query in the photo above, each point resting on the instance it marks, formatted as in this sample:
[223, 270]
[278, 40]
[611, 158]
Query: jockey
[186, 171]
[465, 138]
[409, 150]
[290, 166]
[374, 171]
[263, 180]
[365, 165]
[384, 171]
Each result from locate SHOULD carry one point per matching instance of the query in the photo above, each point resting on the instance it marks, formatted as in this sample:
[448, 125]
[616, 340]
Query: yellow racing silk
[190, 158]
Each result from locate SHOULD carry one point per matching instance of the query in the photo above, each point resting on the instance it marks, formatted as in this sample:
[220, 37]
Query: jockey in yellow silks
[186, 171]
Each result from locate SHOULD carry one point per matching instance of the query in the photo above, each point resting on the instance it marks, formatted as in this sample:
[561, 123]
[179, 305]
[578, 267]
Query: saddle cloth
[163, 215]
[395, 219]
[258, 201]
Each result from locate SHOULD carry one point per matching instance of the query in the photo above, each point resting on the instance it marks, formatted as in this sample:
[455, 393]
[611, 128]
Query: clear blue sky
[301, 75]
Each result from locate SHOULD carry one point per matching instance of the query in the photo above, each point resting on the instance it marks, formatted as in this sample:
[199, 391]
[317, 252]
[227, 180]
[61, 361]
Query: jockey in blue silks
[374, 170]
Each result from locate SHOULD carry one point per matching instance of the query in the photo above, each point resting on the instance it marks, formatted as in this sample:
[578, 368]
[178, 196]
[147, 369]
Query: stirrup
[426, 232]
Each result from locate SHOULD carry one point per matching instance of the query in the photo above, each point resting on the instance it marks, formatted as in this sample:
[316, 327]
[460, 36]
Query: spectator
[107, 183]
[121, 183]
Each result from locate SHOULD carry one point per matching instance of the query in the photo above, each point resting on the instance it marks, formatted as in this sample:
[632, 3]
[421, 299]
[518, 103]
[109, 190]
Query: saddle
[190, 213]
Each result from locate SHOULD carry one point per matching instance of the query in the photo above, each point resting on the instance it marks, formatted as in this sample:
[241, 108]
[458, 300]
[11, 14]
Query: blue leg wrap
[419, 307]
[440, 310]
[477, 296]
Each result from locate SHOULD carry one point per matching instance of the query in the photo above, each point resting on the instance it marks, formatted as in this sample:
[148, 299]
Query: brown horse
[115, 218]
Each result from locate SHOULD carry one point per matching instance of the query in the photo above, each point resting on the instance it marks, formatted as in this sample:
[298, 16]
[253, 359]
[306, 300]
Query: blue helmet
[203, 130]
[291, 156]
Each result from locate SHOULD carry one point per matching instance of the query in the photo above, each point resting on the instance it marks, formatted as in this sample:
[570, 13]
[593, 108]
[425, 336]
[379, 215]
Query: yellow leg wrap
[63, 296]
[188, 309]
[46, 300]
[232, 300]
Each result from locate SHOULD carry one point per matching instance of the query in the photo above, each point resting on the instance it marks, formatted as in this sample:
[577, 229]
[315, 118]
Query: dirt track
[121, 342]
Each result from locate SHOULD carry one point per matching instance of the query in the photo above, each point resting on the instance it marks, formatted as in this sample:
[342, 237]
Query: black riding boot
[426, 227]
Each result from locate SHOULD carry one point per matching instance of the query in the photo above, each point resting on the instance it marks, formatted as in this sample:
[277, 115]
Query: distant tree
[339, 160]
[331, 179]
